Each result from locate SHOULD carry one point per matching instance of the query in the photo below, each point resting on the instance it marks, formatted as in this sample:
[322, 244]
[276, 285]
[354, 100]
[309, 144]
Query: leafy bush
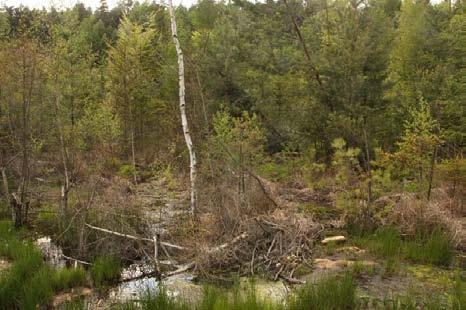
[105, 270]
[126, 171]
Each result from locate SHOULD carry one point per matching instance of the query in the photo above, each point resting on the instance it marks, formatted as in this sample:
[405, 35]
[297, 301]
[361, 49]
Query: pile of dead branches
[274, 244]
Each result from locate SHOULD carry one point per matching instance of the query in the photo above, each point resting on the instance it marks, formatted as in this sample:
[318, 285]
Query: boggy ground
[388, 269]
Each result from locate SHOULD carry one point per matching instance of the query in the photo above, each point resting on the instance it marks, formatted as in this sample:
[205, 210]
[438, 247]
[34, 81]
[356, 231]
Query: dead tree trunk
[431, 174]
[64, 154]
[184, 119]
[6, 192]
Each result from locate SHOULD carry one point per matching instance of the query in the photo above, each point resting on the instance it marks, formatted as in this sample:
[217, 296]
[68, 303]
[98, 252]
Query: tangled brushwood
[274, 244]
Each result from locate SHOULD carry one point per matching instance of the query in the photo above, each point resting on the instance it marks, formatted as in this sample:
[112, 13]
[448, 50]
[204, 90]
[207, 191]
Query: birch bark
[184, 119]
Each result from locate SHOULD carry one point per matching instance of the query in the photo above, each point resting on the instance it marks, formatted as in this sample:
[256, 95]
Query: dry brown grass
[408, 212]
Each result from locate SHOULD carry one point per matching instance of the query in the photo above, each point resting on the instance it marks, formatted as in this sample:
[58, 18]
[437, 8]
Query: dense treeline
[88, 89]
[308, 119]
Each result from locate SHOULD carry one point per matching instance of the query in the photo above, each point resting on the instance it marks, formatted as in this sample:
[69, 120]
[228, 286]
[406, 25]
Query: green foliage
[330, 293]
[459, 292]
[76, 304]
[159, 301]
[105, 270]
[453, 172]
[126, 171]
[99, 127]
[431, 248]
[28, 282]
[436, 249]
[345, 162]
[238, 140]
[65, 278]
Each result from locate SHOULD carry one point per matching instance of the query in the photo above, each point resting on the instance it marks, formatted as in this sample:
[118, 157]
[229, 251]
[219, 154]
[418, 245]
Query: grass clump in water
[29, 282]
[64, 279]
[432, 248]
[331, 293]
[105, 271]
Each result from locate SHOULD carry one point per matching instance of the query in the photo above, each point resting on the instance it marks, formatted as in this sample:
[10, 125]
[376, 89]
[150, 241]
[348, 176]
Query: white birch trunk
[184, 120]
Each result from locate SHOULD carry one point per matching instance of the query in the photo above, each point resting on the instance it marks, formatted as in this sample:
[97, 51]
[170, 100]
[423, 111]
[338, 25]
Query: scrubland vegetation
[227, 141]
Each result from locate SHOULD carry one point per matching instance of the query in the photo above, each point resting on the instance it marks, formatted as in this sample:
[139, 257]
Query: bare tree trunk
[20, 199]
[431, 174]
[303, 43]
[6, 192]
[64, 154]
[184, 120]
[133, 155]
[368, 167]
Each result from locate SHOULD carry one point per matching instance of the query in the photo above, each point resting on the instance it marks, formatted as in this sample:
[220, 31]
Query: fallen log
[170, 245]
[181, 269]
[225, 245]
[76, 260]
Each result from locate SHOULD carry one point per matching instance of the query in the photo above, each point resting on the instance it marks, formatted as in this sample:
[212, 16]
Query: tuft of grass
[213, 299]
[75, 304]
[331, 293]
[105, 271]
[37, 290]
[64, 279]
[29, 282]
[459, 293]
[434, 248]
[157, 301]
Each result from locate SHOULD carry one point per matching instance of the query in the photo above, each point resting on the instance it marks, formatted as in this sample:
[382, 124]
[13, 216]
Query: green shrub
[331, 293]
[105, 270]
[67, 278]
[126, 171]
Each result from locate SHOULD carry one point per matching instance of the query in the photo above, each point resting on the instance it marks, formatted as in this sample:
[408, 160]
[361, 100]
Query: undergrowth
[431, 248]
[29, 282]
[105, 270]
[331, 293]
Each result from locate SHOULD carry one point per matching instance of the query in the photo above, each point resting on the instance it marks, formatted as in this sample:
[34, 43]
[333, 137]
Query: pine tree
[130, 88]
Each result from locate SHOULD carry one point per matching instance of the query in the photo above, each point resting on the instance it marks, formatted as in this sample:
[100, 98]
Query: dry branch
[170, 245]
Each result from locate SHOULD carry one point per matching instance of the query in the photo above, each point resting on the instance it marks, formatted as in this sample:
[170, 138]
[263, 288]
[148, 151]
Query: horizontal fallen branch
[223, 246]
[180, 269]
[292, 280]
[170, 245]
[75, 260]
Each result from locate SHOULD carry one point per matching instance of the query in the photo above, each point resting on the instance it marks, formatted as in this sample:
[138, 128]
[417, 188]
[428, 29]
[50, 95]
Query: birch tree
[184, 119]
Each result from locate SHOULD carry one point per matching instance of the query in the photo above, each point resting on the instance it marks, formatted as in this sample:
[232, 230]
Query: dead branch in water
[170, 245]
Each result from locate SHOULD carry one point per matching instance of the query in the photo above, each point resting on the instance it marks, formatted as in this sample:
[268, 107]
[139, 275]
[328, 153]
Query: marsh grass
[105, 270]
[430, 248]
[64, 279]
[29, 282]
[332, 293]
